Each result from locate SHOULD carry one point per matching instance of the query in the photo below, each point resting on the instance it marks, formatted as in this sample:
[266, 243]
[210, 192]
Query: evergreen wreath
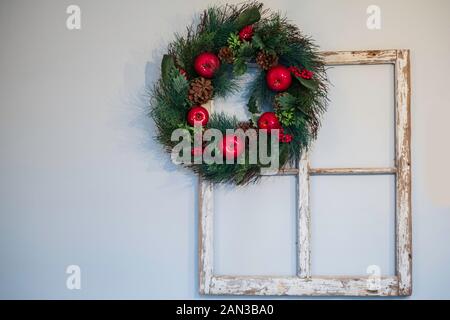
[207, 61]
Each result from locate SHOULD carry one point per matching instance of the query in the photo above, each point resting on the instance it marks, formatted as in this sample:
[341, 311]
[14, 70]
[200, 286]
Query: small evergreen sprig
[234, 42]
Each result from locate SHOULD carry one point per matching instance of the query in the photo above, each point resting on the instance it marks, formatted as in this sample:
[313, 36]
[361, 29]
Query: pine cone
[200, 90]
[226, 55]
[275, 100]
[245, 125]
[266, 60]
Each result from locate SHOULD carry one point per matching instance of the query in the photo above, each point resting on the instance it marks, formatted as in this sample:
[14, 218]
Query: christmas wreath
[207, 61]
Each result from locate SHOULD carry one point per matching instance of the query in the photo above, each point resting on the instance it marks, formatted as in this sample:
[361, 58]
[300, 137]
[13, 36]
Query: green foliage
[167, 65]
[259, 90]
[310, 84]
[286, 109]
[187, 48]
[248, 16]
[216, 22]
[252, 105]
[245, 51]
[222, 122]
[299, 108]
[240, 67]
[272, 34]
[234, 42]
[257, 42]
[224, 82]
[179, 83]
[286, 116]
[286, 100]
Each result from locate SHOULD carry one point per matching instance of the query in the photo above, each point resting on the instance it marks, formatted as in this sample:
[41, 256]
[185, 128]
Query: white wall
[82, 182]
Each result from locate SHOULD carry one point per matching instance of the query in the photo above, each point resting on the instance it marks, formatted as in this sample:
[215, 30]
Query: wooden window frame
[304, 283]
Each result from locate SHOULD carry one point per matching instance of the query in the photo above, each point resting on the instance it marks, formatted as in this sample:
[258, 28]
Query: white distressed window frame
[304, 283]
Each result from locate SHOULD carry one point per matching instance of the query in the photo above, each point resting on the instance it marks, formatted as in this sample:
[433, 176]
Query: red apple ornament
[206, 64]
[231, 146]
[278, 78]
[246, 33]
[198, 114]
[269, 121]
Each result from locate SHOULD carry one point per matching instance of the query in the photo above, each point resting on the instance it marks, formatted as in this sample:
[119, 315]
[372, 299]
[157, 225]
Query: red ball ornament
[198, 114]
[246, 33]
[269, 121]
[206, 64]
[278, 78]
[231, 146]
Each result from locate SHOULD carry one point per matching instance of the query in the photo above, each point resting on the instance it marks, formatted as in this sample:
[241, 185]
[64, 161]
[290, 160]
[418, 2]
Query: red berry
[306, 74]
[286, 138]
[183, 73]
[295, 71]
[279, 78]
[198, 114]
[281, 134]
[206, 64]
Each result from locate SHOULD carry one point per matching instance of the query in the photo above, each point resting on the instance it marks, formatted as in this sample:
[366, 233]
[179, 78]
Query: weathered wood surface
[351, 171]
[304, 283]
[280, 172]
[332, 58]
[303, 219]
[403, 163]
[205, 237]
[332, 171]
[209, 106]
[296, 286]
